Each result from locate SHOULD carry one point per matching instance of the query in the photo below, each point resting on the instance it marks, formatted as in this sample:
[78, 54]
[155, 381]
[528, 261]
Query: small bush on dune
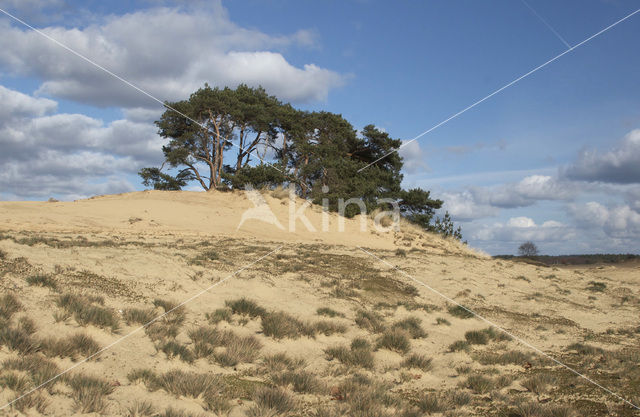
[221, 314]
[300, 381]
[174, 312]
[328, 328]
[370, 321]
[39, 368]
[19, 340]
[239, 349]
[161, 331]
[141, 409]
[271, 402]
[433, 402]
[460, 312]
[42, 280]
[85, 312]
[585, 349]
[15, 382]
[394, 339]
[538, 383]
[35, 400]
[9, 305]
[174, 349]
[329, 312]
[280, 362]
[476, 337]
[246, 307]
[506, 358]
[280, 325]
[411, 325]
[358, 355]
[417, 361]
[479, 384]
[72, 346]
[458, 346]
[442, 320]
[89, 393]
[138, 315]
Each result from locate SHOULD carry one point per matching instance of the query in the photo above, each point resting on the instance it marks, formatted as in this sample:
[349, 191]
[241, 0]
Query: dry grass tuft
[221, 314]
[71, 347]
[413, 325]
[300, 381]
[280, 325]
[359, 354]
[42, 280]
[395, 339]
[138, 315]
[417, 361]
[174, 315]
[328, 328]
[9, 305]
[85, 311]
[479, 384]
[36, 400]
[89, 393]
[539, 383]
[160, 331]
[271, 402]
[239, 349]
[174, 349]
[432, 402]
[246, 307]
[39, 368]
[280, 362]
[460, 312]
[370, 321]
[328, 312]
[141, 409]
[459, 345]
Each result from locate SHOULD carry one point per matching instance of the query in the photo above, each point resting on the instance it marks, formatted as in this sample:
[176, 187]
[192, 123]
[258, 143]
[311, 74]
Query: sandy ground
[134, 248]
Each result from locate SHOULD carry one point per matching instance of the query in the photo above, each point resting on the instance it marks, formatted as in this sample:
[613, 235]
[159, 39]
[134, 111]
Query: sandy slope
[134, 248]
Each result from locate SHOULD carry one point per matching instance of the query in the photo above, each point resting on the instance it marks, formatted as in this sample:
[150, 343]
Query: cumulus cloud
[70, 155]
[619, 165]
[619, 221]
[168, 52]
[413, 158]
[520, 229]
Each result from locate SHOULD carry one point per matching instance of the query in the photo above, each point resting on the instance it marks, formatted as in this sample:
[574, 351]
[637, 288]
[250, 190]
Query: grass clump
[476, 337]
[175, 314]
[359, 354]
[328, 328]
[510, 357]
[218, 315]
[328, 312]
[42, 280]
[459, 345]
[35, 400]
[479, 384]
[271, 402]
[442, 320]
[280, 362]
[280, 325]
[460, 312]
[9, 305]
[174, 349]
[79, 344]
[432, 402]
[39, 368]
[539, 383]
[596, 286]
[585, 349]
[370, 321]
[411, 325]
[141, 409]
[246, 307]
[239, 349]
[138, 315]
[300, 381]
[394, 339]
[417, 361]
[85, 311]
[89, 393]
[18, 339]
[160, 331]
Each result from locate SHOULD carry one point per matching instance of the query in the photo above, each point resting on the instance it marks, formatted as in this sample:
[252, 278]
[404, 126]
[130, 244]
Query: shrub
[42, 280]
[394, 339]
[479, 384]
[460, 312]
[328, 328]
[281, 325]
[417, 361]
[174, 349]
[538, 383]
[300, 381]
[271, 401]
[71, 346]
[411, 325]
[459, 398]
[239, 349]
[246, 307]
[18, 339]
[442, 320]
[188, 384]
[39, 368]
[88, 392]
[220, 314]
[432, 402]
[86, 312]
[476, 337]
[174, 312]
[161, 331]
[360, 343]
[401, 252]
[9, 305]
[280, 362]
[138, 315]
[458, 346]
[370, 321]
[329, 312]
[356, 356]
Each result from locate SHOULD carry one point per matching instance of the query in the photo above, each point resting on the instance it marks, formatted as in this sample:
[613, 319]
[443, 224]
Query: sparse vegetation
[300, 381]
[280, 362]
[538, 384]
[458, 346]
[220, 314]
[413, 325]
[442, 320]
[359, 354]
[270, 402]
[138, 315]
[596, 286]
[79, 344]
[42, 280]
[86, 311]
[9, 305]
[329, 312]
[479, 384]
[246, 307]
[370, 321]
[175, 314]
[460, 312]
[395, 339]
[280, 325]
[89, 393]
[476, 337]
[417, 361]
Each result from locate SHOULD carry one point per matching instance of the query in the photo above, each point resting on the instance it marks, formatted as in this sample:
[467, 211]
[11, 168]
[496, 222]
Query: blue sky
[553, 158]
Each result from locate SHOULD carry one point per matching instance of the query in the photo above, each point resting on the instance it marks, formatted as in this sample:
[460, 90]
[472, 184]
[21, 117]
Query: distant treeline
[601, 258]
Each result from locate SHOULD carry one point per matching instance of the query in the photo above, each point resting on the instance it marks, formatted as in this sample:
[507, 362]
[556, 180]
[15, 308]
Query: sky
[553, 158]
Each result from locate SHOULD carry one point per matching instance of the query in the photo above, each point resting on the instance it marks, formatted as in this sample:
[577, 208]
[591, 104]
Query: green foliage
[446, 228]
[161, 181]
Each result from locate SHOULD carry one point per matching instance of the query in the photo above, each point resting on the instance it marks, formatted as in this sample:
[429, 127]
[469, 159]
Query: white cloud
[619, 221]
[70, 155]
[619, 165]
[167, 52]
[520, 229]
[413, 158]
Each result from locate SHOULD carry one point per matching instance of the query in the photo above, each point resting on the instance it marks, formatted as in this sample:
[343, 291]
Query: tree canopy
[229, 135]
